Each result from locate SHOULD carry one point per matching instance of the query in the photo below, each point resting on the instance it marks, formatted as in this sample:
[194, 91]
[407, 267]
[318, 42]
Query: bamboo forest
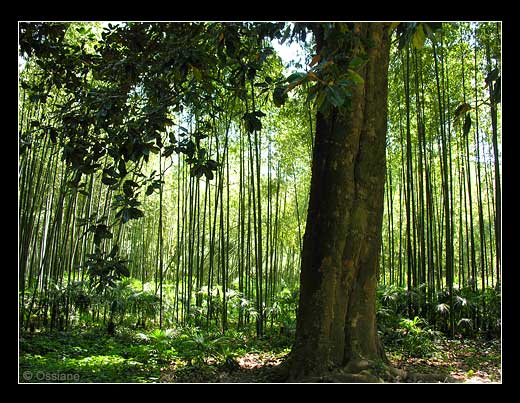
[259, 202]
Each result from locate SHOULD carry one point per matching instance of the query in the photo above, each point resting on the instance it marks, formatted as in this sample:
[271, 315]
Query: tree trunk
[336, 324]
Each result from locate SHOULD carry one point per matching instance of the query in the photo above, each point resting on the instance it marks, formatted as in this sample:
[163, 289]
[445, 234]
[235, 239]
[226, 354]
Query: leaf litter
[461, 361]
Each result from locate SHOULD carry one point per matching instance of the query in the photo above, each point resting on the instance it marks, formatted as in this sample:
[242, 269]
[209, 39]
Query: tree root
[430, 378]
[364, 371]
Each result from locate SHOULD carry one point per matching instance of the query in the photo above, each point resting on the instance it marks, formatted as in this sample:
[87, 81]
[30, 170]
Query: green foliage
[252, 121]
[393, 304]
[111, 102]
[89, 356]
[284, 309]
[105, 269]
[415, 33]
[280, 95]
[416, 338]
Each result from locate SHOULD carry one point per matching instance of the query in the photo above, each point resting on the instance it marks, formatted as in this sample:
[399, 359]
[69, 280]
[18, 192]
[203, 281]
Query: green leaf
[197, 170]
[311, 96]
[462, 109]
[355, 77]
[334, 97]
[261, 85]
[393, 26]
[101, 232]
[212, 165]
[196, 73]
[320, 99]
[109, 181]
[168, 151]
[200, 136]
[418, 37]
[252, 122]
[280, 96]
[131, 213]
[113, 251]
[355, 63]
[434, 26]
[122, 270]
[129, 184]
[88, 169]
[121, 166]
[53, 135]
[430, 27]
[209, 174]
[294, 77]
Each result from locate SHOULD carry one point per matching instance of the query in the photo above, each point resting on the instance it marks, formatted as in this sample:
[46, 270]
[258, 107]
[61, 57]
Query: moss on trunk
[336, 325]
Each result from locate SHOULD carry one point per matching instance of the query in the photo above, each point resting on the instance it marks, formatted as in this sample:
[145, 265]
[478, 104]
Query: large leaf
[113, 251]
[208, 173]
[355, 77]
[101, 232]
[295, 77]
[109, 181]
[419, 37]
[334, 96]
[128, 187]
[212, 165]
[280, 95]
[149, 190]
[462, 109]
[430, 28]
[121, 166]
[131, 213]
[355, 62]
[393, 26]
[252, 122]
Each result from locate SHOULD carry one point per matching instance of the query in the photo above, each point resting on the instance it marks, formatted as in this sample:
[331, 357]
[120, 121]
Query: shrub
[417, 339]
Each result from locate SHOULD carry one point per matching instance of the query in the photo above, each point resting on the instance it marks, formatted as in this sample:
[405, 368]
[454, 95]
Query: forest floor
[132, 357]
[467, 361]
[462, 360]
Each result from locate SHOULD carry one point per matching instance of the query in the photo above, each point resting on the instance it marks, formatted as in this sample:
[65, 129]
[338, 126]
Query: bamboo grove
[204, 227]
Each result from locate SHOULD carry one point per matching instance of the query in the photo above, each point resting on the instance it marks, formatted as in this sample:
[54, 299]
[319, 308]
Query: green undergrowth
[189, 354]
[90, 355]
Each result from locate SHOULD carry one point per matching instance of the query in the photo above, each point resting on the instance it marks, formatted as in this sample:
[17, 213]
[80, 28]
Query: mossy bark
[336, 324]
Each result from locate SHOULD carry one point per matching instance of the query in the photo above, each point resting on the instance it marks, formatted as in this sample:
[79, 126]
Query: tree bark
[336, 325]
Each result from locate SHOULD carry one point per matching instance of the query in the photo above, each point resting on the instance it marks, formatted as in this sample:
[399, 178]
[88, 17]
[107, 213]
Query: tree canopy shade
[178, 173]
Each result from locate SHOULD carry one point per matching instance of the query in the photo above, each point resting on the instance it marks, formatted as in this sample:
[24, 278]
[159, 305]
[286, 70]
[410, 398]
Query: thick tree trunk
[336, 324]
